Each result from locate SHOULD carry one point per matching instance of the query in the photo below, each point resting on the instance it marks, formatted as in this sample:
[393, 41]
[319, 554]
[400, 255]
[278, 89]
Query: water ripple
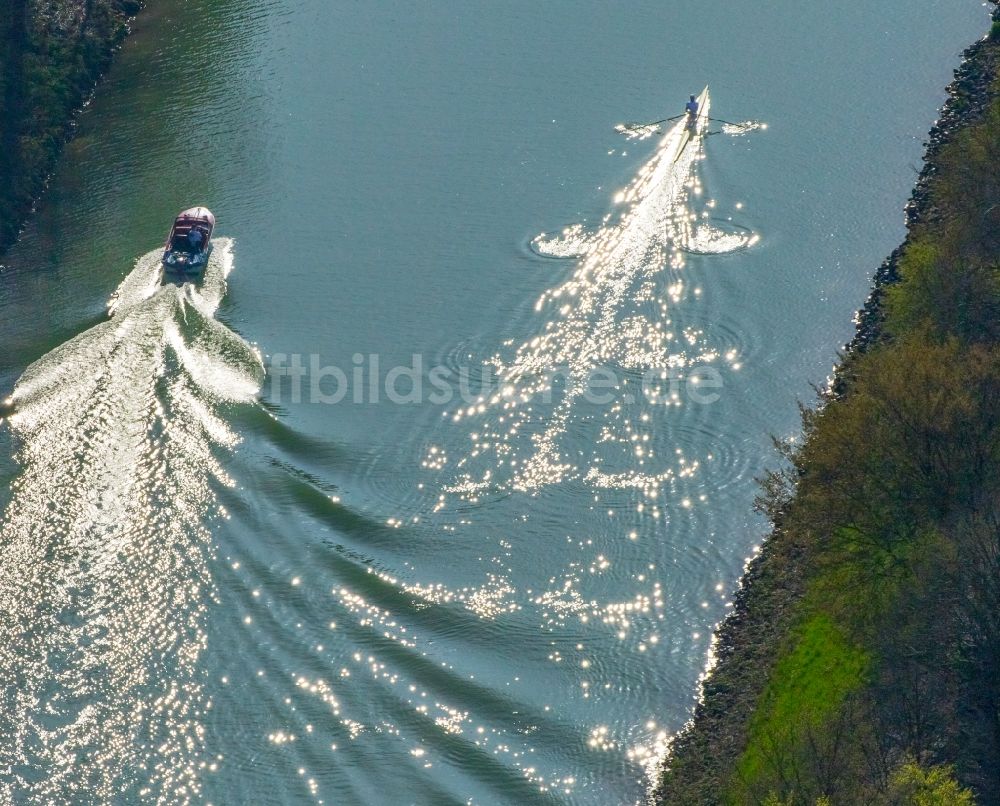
[103, 551]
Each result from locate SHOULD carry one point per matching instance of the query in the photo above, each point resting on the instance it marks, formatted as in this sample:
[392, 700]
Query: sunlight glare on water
[103, 576]
[621, 308]
[612, 314]
[509, 601]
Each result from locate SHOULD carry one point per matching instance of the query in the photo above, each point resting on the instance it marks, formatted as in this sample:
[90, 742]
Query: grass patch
[805, 691]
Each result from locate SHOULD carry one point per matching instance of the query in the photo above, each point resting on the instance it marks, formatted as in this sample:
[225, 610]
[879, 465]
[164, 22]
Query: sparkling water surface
[494, 580]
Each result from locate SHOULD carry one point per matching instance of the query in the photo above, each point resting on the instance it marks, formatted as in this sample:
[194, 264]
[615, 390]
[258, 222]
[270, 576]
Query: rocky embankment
[968, 98]
[856, 665]
[52, 53]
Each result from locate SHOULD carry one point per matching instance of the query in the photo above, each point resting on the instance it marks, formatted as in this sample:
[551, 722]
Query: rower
[691, 107]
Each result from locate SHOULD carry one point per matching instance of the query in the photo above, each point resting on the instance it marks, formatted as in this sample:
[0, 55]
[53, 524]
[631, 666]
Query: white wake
[104, 579]
[615, 313]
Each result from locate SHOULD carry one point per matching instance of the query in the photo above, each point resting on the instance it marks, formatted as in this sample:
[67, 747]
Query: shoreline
[703, 757]
[968, 97]
[54, 56]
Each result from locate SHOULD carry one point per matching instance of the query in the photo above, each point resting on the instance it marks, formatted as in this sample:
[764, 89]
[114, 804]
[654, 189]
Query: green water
[219, 585]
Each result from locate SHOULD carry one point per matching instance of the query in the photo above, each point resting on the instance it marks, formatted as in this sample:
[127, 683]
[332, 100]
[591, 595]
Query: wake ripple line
[104, 548]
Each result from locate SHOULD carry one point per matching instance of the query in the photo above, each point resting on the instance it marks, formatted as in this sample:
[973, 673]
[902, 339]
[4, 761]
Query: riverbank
[53, 52]
[859, 662]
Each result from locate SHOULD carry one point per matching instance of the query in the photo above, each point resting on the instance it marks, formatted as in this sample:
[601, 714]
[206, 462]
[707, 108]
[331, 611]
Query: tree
[914, 785]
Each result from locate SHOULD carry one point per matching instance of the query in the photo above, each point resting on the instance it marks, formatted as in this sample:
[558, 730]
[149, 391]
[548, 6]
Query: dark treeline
[51, 54]
[862, 663]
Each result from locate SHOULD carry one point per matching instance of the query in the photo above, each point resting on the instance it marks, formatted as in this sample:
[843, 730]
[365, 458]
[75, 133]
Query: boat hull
[694, 128]
[188, 245]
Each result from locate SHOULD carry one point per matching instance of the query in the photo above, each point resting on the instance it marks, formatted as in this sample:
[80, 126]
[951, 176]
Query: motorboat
[189, 242]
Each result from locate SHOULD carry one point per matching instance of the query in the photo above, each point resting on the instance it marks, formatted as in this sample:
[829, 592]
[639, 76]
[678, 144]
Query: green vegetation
[806, 689]
[936, 786]
[50, 56]
[911, 785]
[862, 664]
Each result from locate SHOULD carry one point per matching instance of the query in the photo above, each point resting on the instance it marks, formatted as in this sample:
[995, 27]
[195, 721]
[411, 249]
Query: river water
[433, 491]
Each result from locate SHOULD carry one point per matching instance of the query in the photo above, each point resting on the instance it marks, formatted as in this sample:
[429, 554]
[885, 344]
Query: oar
[634, 126]
[653, 123]
[729, 123]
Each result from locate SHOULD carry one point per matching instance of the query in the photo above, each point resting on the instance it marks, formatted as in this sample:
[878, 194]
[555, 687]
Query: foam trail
[608, 314]
[104, 580]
